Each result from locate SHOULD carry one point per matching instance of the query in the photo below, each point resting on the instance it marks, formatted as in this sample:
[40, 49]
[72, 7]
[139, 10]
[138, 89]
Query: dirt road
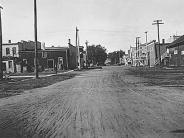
[103, 103]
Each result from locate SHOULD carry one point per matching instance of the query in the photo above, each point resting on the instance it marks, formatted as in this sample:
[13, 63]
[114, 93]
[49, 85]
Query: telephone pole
[137, 50]
[78, 50]
[1, 54]
[35, 33]
[146, 46]
[146, 37]
[119, 57]
[87, 53]
[158, 22]
[137, 46]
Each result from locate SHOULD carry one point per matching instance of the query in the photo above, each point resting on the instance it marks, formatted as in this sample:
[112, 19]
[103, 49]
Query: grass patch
[16, 86]
[159, 76]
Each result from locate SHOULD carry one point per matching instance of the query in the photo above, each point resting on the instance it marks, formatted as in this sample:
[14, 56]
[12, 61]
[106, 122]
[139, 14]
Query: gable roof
[177, 42]
[56, 48]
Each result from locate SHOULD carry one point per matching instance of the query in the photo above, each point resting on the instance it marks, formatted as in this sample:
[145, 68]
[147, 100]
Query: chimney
[69, 41]
[9, 41]
[163, 41]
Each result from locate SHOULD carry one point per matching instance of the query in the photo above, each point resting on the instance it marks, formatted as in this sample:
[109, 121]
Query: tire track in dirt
[96, 104]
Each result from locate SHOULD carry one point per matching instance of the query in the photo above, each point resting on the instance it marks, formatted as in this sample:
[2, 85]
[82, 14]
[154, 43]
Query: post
[158, 22]
[35, 33]
[67, 59]
[146, 46]
[87, 53]
[78, 50]
[1, 54]
[137, 50]
[119, 57]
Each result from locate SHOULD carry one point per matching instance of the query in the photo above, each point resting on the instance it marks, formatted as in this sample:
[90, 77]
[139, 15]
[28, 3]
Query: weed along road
[103, 103]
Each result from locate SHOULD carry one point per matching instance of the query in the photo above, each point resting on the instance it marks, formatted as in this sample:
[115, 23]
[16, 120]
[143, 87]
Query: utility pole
[87, 53]
[137, 45]
[137, 49]
[146, 46]
[1, 52]
[158, 22]
[78, 50]
[35, 33]
[146, 37]
[119, 56]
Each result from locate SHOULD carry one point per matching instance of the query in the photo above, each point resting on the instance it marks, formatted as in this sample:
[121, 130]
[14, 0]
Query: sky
[114, 24]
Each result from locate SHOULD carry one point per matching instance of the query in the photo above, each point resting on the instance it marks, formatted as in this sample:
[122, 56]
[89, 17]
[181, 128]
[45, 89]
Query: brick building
[176, 52]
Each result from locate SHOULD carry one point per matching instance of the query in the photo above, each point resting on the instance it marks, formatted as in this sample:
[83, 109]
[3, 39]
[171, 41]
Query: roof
[56, 48]
[10, 44]
[177, 42]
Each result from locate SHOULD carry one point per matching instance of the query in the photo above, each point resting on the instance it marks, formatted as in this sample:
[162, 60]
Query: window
[24, 62]
[10, 64]
[175, 52]
[14, 50]
[44, 54]
[7, 51]
[182, 52]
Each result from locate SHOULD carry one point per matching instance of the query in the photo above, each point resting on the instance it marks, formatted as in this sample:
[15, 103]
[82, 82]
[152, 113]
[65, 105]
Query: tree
[96, 54]
[115, 56]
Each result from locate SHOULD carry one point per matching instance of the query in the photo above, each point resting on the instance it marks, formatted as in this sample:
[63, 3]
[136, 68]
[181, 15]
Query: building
[176, 52]
[132, 55]
[154, 54]
[56, 58]
[163, 54]
[141, 55]
[15, 55]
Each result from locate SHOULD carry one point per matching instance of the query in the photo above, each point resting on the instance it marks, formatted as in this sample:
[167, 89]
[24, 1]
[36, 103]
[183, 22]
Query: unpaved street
[104, 103]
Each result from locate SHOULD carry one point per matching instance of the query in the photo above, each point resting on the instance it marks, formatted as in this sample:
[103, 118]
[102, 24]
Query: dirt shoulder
[165, 77]
[16, 86]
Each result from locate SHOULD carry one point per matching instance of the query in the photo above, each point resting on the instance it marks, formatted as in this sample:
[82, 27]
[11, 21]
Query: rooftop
[178, 41]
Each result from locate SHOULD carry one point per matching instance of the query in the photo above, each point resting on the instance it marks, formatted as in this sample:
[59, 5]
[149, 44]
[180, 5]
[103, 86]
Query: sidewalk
[41, 75]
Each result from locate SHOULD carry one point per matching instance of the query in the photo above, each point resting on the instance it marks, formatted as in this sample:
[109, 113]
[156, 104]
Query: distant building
[176, 52]
[13, 55]
[132, 55]
[141, 55]
[56, 57]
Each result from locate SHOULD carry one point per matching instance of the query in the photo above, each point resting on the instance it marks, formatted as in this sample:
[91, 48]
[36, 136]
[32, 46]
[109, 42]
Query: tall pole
[35, 33]
[146, 37]
[158, 22]
[1, 54]
[87, 52]
[78, 50]
[119, 56]
[137, 49]
[146, 45]
[137, 45]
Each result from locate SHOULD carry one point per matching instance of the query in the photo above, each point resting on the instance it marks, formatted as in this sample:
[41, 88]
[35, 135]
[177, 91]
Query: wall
[10, 46]
[176, 59]
[72, 57]
[151, 55]
[54, 54]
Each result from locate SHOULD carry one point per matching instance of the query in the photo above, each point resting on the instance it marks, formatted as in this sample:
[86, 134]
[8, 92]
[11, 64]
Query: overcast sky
[111, 23]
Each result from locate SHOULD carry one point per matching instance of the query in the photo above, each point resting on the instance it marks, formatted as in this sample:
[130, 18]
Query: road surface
[104, 103]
